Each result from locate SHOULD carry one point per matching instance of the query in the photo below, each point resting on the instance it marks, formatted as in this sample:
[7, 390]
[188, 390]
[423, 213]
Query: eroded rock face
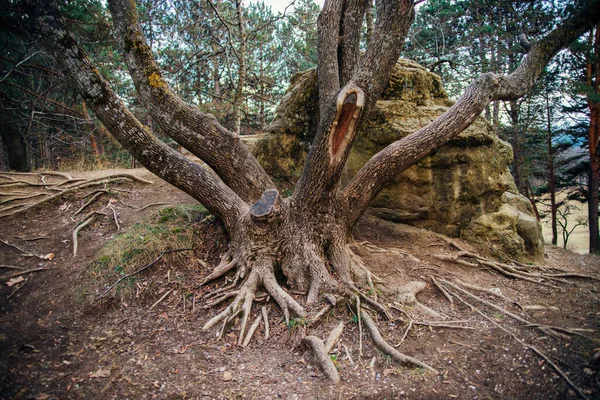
[463, 189]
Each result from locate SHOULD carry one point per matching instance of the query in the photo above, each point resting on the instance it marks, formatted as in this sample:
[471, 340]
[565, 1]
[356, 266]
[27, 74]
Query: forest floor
[143, 338]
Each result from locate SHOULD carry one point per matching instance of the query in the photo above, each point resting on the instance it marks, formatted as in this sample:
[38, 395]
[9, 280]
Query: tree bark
[238, 99]
[551, 175]
[16, 148]
[200, 133]
[593, 78]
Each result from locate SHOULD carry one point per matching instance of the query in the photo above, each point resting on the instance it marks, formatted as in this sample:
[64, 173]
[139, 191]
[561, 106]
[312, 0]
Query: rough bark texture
[200, 133]
[593, 77]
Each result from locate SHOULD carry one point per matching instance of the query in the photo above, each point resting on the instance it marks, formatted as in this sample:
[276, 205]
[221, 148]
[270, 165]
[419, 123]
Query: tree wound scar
[347, 114]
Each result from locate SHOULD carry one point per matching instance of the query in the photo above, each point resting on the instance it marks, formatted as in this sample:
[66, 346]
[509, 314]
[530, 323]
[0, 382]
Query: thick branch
[518, 83]
[328, 31]
[403, 153]
[340, 120]
[393, 20]
[350, 30]
[200, 133]
[400, 155]
[151, 152]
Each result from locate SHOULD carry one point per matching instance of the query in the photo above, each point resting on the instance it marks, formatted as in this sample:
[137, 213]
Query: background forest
[235, 60]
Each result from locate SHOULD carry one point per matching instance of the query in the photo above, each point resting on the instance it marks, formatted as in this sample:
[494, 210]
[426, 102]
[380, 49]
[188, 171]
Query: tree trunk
[551, 175]
[16, 148]
[303, 238]
[238, 99]
[593, 78]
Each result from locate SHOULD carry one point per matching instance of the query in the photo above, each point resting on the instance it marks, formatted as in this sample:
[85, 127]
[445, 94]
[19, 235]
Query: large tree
[303, 237]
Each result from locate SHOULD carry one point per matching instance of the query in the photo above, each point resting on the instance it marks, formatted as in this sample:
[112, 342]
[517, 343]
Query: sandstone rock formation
[463, 189]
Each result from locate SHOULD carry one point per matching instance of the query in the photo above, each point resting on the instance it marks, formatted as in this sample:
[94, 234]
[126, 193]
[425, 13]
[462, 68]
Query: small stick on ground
[25, 252]
[434, 325]
[251, 331]
[386, 348]
[164, 296]
[10, 267]
[322, 358]
[359, 317]
[265, 316]
[76, 231]
[151, 205]
[24, 272]
[15, 291]
[162, 253]
[348, 355]
[410, 324]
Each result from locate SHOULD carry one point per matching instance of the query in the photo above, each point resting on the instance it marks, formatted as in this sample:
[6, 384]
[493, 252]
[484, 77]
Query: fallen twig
[10, 267]
[16, 290]
[151, 205]
[162, 253]
[164, 296]
[25, 252]
[408, 328]
[24, 272]
[436, 325]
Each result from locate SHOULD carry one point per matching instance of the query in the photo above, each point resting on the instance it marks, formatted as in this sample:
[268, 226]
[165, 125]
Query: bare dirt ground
[58, 341]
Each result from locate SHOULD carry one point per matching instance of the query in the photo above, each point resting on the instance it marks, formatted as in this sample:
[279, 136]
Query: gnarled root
[261, 274]
[322, 358]
[386, 348]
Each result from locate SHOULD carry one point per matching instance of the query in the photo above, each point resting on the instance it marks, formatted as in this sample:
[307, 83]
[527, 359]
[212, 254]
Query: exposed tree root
[531, 347]
[265, 315]
[70, 185]
[251, 331]
[386, 348]
[493, 291]
[443, 291]
[79, 227]
[334, 337]
[322, 358]
[96, 194]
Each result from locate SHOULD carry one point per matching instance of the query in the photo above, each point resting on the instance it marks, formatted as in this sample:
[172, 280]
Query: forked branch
[192, 178]
[200, 133]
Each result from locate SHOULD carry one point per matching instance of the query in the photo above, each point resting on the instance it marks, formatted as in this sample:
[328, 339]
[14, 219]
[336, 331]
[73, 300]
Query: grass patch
[165, 229]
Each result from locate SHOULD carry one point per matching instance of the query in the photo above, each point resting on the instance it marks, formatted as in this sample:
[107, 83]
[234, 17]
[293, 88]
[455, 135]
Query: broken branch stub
[265, 206]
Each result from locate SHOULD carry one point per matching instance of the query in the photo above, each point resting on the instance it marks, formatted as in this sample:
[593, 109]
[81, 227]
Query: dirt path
[57, 342]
